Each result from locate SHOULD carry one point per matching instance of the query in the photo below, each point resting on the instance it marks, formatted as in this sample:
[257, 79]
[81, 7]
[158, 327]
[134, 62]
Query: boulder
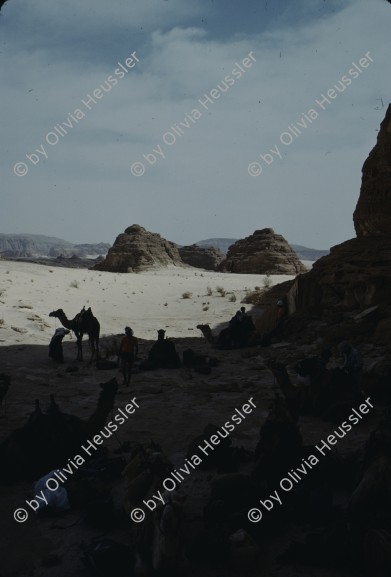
[137, 249]
[207, 258]
[264, 252]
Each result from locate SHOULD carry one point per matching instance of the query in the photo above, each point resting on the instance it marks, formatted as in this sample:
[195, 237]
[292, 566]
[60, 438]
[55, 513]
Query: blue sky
[84, 191]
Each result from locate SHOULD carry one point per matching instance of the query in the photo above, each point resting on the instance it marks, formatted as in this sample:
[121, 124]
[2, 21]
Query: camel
[229, 337]
[83, 323]
[144, 473]
[331, 397]
[220, 339]
[48, 439]
[159, 538]
[279, 445]
[293, 395]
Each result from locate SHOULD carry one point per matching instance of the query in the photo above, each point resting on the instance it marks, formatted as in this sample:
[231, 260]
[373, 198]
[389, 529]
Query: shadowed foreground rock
[264, 252]
[137, 249]
[356, 274]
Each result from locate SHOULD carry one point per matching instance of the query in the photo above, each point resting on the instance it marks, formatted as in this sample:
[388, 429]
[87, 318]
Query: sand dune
[146, 301]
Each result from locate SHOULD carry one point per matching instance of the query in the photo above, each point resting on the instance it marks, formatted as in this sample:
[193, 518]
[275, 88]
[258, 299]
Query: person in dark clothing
[128, 352]
[55, 345]
[163, 353]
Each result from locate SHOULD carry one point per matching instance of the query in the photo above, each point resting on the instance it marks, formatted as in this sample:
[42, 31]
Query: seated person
[162, 354]
[55, 345]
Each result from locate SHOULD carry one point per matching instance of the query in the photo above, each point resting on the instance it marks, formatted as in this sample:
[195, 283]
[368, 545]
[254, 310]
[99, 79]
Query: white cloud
[201, 188]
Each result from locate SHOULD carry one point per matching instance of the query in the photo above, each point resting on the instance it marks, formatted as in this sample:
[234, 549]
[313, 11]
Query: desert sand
[146, 301]
[175, 405]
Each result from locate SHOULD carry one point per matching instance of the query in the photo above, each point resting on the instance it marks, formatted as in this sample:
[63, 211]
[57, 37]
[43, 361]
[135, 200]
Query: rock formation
[137, 249]
[303, 252]
[372, 215]
[356, 274]
[40, 246]
[264, 252]
[207, 258]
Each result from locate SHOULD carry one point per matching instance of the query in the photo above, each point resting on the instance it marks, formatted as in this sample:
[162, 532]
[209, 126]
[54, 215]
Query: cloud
[55, 56]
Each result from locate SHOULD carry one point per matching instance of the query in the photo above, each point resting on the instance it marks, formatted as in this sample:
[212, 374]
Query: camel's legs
[94, 345]
[93, 350]
[79, 338]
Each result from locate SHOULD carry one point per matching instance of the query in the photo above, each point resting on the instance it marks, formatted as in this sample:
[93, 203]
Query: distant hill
[40, 246]
[303, 252]
[221, 243]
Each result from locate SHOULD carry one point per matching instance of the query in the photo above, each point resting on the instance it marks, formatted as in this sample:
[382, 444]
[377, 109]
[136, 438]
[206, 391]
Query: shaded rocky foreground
[175, 406]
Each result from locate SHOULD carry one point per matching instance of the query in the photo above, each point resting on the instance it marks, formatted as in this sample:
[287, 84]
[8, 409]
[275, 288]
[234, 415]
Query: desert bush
[187, 295]
[209, 291]
[206, 308]
[232, 298]
[74, 284]
[221, 290]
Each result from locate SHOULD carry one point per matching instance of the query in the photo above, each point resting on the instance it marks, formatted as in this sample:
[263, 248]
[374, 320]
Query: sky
[169, 145]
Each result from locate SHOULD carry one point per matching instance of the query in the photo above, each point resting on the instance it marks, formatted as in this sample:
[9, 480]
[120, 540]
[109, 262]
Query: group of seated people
[240, 328]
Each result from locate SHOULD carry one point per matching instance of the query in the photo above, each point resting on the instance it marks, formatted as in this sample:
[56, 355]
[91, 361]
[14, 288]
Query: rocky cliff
[137, 249]
[264, 252]
[207, 258]
[373, 211]
[356, 275]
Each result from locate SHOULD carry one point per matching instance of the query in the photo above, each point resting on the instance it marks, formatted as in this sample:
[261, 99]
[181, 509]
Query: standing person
[128, 351]
[280, 314]
[55, 345]
[242, 313]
